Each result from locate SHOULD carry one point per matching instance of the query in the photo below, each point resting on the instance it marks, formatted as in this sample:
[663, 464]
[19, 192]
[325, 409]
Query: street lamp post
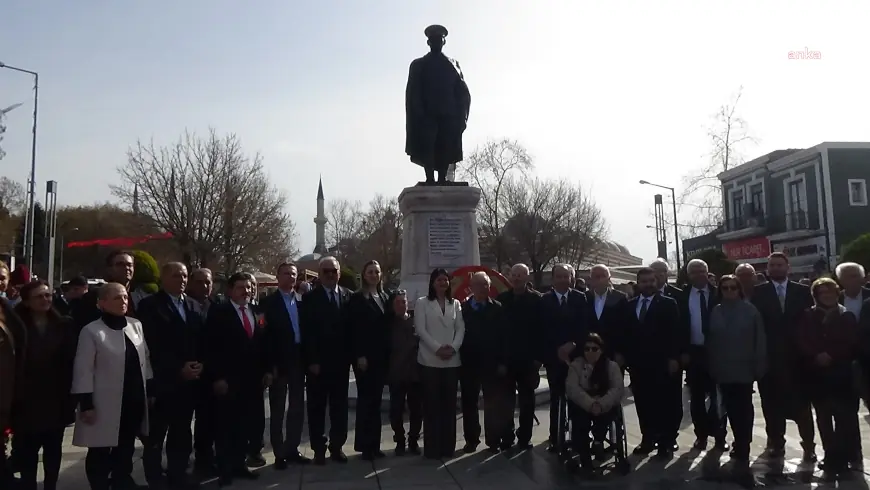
[62, 250]
[31, 194]
[676, 227]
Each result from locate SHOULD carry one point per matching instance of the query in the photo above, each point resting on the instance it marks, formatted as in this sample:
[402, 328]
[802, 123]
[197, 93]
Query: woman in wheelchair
[594, 390]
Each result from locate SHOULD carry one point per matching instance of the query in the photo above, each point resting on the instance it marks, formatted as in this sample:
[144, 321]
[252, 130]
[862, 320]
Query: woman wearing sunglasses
[737, 357]
[594, 387]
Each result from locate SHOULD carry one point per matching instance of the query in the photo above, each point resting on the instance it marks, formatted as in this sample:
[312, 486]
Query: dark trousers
[27, 445]
[556, 377]
[108, 467]
[583, 422]
[205, 424]
[470, 384]
[328, 389]
[658, 398]
[708, 422]
[370, 393]
[498, 409]
[410, 392]
[287, 392]
[239, 431]
[737, 400]
[439, 411]
[777, 405]
[170, 420]
[837, 419]
[524, 379]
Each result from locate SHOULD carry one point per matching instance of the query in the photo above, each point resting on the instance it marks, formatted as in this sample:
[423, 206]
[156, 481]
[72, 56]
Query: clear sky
[604, 93]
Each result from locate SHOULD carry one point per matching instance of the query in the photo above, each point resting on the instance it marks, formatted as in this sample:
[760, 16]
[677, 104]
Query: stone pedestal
[439, 229]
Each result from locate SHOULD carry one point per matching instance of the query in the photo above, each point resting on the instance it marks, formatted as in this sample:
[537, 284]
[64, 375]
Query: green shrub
[146, 275]
[858, 251]
[348, 279]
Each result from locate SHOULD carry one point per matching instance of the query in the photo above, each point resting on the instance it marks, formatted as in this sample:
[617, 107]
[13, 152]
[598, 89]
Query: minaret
[320, 221]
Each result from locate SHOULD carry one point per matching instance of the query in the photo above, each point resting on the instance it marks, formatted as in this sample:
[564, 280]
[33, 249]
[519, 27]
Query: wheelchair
[615, 442]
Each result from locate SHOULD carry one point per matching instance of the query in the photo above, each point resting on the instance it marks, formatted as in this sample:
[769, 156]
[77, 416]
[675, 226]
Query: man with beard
[119, 269]
[782, 303]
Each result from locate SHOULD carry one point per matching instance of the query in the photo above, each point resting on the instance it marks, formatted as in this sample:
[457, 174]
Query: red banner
[751, 248]
[120, 242]
[460, 281]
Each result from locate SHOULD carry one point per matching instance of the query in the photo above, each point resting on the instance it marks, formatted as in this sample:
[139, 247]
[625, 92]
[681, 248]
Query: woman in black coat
[370, 333]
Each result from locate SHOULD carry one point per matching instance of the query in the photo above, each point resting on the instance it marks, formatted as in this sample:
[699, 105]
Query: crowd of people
[186, 372]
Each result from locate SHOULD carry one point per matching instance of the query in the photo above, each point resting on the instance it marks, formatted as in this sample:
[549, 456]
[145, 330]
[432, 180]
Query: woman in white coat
[110, 375]
[438, 322]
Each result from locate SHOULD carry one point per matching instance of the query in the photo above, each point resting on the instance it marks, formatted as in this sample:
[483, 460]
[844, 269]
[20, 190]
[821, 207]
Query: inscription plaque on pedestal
[446, 241]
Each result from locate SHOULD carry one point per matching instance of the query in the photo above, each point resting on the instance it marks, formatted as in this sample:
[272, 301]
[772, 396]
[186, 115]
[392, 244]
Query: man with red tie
[237, 366]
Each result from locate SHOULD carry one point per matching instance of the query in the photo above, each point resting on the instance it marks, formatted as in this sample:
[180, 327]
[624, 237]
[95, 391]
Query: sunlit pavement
[530, 469]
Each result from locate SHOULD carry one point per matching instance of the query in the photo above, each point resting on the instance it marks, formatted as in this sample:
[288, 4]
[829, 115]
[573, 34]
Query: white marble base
[439, 230]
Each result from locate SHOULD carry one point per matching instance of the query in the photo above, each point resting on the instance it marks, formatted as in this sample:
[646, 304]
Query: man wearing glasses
[326, 347]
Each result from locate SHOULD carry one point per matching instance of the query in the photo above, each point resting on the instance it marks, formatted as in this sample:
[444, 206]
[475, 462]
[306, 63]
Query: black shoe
[469, 448]
[225, 481]
[644, 448]
[809, 456]
[180, 482]
[505, 446]
[380, 454]
[255, 461]
[338, 456]
[320, 459]
[523, 445]
[722, 446]
[493, 449]
[775, 452]
[414, 447]
[597, 449]
[552, 448]
[367, 456]
[205, 469]
[400, 449]
[700, 444]
[297, 458]
[245, 474]
[280, 464]
[857, 465]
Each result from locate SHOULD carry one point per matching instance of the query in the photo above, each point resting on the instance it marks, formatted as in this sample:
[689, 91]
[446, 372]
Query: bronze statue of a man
[437, 102]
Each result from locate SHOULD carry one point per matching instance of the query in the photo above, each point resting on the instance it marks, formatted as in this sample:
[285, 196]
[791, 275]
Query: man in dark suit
[326, 344]
[662, 272]
[653, 346]
[119, 269]
[522, 313]
[284, 335]
[856, 299]
[173, 332]
[237, 365]
[609, 312]
[782, 303]
[565, 317]
[71, 292]
[199, 289]
[484, 366]
[697, 301]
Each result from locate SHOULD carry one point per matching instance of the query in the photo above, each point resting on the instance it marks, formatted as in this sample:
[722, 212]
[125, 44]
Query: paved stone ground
[529, 470]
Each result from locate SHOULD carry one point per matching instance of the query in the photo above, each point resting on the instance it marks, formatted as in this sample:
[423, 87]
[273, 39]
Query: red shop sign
[752, 248]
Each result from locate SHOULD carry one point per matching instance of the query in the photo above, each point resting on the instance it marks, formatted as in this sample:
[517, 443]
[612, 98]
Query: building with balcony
[807, 203]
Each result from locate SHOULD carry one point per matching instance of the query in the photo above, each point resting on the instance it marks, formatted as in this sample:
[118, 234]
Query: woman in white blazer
[438, 322]
[110, 376]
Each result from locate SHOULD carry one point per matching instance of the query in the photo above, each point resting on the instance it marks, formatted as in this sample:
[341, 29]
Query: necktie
[181, 309]
[643, 309]
[780, 291]
[246, 322]
[563, 301]
[334, 300]
[705, 312]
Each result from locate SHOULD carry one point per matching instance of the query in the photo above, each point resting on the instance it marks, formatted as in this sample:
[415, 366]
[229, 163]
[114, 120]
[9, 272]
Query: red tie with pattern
[246, 322]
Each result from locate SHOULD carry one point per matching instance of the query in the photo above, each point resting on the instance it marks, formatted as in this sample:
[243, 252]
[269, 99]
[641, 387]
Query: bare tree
[382, 232]
[490, 168]
[545, 225]
[12, 197]
[344, 229]
[215, 200]
[702, 192]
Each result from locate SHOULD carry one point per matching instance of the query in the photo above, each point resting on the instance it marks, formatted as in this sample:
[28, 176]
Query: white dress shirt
[559, 296]
[248, 312]
[695, 314]
[854, 304]
[599, 304]
[640, 301]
